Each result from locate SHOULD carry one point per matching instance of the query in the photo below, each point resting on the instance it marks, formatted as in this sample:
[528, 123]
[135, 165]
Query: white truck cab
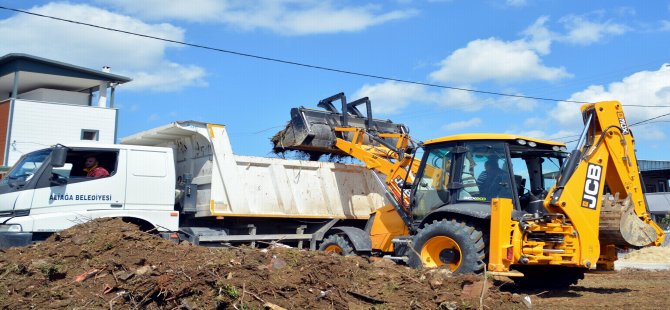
[48, 190]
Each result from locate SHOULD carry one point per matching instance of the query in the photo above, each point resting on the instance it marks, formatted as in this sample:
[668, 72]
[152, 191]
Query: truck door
[91, 184]
[16, 189]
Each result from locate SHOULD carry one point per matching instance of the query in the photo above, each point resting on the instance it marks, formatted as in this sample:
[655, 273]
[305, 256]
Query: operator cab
[468, 171]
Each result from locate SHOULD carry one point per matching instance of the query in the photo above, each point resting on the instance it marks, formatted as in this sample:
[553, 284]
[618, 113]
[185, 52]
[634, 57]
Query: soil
[626, 289]
[113, 265]
[648, 255]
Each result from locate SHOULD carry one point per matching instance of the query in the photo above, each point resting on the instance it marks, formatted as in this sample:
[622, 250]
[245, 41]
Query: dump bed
[245, 186]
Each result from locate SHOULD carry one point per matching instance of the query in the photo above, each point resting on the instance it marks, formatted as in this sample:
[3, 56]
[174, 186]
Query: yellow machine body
[596, 204]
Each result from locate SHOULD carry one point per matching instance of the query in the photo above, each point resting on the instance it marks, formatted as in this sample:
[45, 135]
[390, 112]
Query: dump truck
[506, 204]
[183, 181]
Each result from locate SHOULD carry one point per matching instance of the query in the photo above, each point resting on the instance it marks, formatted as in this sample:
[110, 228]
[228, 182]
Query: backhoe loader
[511, 205]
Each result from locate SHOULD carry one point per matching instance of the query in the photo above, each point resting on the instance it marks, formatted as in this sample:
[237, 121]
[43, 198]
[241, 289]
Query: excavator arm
[600, 190]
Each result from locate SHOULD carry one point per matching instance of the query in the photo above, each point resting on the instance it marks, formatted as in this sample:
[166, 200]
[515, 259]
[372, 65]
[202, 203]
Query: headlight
[10, 228]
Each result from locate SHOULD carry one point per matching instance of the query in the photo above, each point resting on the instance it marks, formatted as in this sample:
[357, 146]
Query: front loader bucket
[619, 225]
[313, 131]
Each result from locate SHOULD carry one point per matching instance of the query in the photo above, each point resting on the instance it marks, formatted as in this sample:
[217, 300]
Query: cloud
[502, 61]
[665, 25]
[153, 117]
[189, 10]
[463, 124]
[170, 77]
[581, 30]
[390, 97]
[94, 48]
[641, 88]
[516, 3]
[652, 133]
[289, 17]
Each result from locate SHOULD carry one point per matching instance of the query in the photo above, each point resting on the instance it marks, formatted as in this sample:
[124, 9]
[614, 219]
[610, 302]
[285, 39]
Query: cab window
[431, 189]
[484, 173]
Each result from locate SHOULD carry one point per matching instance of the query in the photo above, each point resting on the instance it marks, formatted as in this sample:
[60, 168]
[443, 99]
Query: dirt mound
[111, 264]
[651, 254]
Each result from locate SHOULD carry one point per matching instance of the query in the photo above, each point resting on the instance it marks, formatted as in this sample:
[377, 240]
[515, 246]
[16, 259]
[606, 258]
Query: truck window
[26, 167]
[85, 165]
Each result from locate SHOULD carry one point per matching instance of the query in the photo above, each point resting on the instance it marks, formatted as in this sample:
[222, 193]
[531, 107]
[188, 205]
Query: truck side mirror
[58, 156]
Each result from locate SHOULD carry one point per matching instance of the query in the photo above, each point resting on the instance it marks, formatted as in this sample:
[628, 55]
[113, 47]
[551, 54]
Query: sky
[562, 50]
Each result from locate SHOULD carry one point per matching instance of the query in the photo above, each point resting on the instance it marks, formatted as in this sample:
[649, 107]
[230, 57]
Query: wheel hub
[449, 256]
[441, 251]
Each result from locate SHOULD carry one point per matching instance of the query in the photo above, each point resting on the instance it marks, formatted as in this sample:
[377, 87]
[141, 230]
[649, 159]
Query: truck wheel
[549, 277]
[337, 244]
[453, 244]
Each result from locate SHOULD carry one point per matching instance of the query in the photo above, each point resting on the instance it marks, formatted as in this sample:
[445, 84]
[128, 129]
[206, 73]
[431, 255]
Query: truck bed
[229, 185]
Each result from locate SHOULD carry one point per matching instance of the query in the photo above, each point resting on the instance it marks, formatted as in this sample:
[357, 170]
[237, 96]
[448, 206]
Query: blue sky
[565, 50]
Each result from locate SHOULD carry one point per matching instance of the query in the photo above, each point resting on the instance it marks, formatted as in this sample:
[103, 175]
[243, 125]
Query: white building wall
[37, 125]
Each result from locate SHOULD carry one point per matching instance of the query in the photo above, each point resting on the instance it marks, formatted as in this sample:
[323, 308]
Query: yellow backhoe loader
[513, 205]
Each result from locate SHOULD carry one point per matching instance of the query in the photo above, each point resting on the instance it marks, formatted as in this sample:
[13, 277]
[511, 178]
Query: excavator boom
[601, 184]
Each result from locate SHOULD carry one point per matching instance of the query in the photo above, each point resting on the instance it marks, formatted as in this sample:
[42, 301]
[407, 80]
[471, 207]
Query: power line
[288, 62]
[650, 119]
[642, 122]
[646, 106]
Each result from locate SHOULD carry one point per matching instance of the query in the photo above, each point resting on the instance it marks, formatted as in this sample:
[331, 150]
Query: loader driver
[93, 170]
[489, 180]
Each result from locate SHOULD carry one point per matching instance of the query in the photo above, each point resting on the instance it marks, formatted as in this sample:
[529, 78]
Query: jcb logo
[592, 186]
[622, 122]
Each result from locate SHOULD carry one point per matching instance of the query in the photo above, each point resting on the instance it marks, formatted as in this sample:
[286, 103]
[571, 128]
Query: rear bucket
[313, 131]
[619, 225]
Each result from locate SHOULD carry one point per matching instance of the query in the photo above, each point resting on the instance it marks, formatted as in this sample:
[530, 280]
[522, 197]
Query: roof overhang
[36, 72]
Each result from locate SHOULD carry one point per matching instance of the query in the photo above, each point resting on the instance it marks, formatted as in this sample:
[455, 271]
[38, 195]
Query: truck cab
[52, 189]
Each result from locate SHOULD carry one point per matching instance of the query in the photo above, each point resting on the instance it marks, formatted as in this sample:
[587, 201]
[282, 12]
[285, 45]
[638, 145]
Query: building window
[89, 134]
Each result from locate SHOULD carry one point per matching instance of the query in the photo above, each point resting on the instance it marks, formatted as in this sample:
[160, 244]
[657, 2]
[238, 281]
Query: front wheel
[337, 244]
[456, 245]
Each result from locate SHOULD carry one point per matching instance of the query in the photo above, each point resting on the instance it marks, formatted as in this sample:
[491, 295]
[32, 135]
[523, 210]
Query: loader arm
[604, 158]
[390, 160]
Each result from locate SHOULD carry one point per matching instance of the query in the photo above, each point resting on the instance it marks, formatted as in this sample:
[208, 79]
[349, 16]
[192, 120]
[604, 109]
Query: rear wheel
[552, 277]
[456, 245]
[337, 244]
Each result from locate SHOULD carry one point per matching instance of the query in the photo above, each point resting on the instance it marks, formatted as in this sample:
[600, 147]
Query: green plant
[52, 271]
[230, 291]
[225, 289]
[665, 221]
[108, 246]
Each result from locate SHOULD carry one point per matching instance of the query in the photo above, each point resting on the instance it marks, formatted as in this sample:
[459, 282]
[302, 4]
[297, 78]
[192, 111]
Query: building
[655, 175]
[44, 102]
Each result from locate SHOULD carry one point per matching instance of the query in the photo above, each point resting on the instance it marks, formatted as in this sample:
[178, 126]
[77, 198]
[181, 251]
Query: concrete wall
[38, 125]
